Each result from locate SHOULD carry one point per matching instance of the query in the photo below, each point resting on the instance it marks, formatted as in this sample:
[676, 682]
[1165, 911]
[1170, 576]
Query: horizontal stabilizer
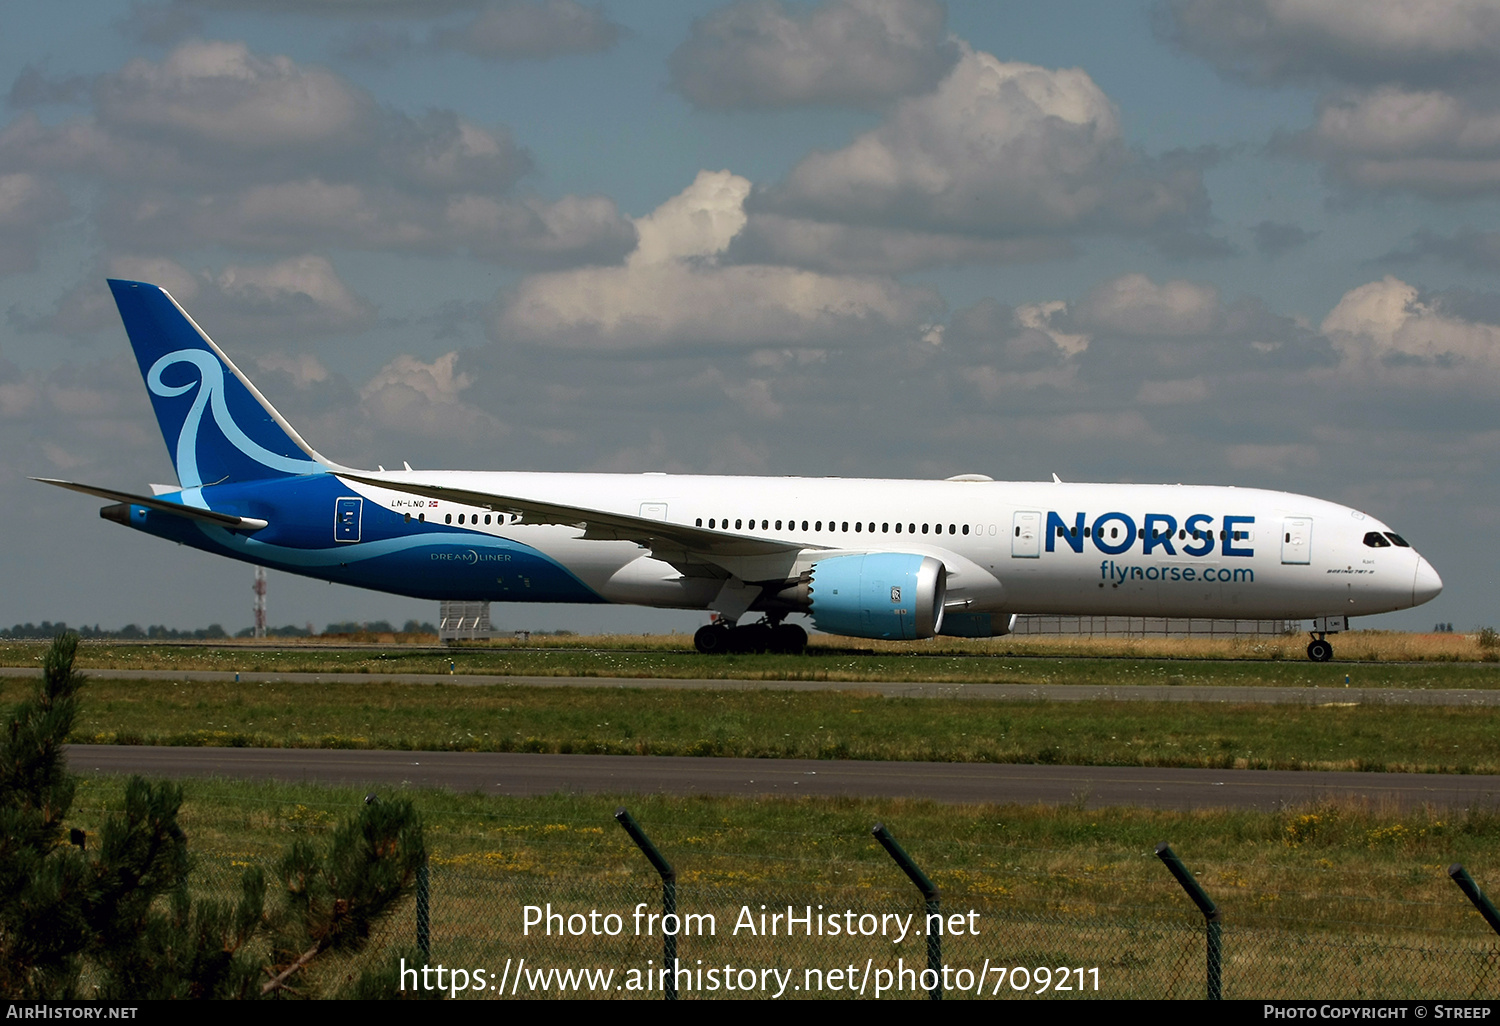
[207, 516]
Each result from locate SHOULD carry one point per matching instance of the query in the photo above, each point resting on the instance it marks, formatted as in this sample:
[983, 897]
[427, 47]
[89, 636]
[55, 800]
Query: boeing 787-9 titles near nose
[863, 558]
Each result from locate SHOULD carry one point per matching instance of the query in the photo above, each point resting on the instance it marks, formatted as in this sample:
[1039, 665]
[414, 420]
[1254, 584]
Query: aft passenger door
[347, 513]
[1026, 535]
[1296, 540]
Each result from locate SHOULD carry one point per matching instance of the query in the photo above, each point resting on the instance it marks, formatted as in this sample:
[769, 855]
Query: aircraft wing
[687, 548]
[206, 516]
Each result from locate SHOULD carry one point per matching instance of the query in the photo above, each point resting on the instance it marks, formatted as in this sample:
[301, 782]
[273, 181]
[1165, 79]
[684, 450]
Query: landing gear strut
[764, 636]
[1319, 650]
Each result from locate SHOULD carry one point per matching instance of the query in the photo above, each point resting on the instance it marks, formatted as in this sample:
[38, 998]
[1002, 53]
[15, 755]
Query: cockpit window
[1376, 540]
[1393, 536]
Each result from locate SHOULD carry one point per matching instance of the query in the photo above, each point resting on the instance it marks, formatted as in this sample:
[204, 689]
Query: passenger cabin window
[1397, 539]
[1376, 540]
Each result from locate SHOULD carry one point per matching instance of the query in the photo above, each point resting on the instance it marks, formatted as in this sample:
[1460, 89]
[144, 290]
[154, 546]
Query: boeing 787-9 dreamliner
[863, 558]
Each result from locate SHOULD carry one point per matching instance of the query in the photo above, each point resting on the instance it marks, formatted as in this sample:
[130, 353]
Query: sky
[1248, 242]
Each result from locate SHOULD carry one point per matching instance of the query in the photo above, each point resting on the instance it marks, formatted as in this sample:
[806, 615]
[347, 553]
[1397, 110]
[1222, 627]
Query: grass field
[781, 724]
[1395, 661]
[1328, 900]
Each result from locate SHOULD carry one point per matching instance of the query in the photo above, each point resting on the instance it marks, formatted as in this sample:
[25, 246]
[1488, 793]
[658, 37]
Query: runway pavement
[524, 774]
[1228, 694]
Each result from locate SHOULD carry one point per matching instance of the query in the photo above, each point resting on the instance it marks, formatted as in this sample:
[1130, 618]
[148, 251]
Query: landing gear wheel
[1319, 651]
[788, 639]
[756, 637]
[711, 639]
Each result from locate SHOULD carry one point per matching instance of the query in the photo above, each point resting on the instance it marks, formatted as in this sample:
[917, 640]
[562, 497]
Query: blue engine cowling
[896, 595]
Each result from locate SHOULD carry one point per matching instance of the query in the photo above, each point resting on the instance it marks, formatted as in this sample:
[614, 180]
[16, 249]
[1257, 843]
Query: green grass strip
[818, 664]
[783, 724]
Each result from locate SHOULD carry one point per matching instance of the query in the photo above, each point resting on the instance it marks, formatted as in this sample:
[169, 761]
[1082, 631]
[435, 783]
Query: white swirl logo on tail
[211, 377]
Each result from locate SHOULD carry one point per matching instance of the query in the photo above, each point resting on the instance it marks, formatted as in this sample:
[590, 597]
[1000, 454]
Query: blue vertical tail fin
[217, 425]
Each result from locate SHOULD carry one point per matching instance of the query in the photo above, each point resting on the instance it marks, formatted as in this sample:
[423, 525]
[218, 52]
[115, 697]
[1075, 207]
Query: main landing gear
[765, 636]
[1319, 650]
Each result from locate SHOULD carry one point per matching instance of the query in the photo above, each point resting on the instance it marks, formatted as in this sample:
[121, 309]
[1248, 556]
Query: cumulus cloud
[216, 145]
[868, 249]
[1133, 304]
[220, 95]
[1362, 41]
[861, 53]
[305, 288]
[296, 298]
[1429, 142]
[519, 29]
[423, 399]
[673, 289]
[999, 162]
[1410, 101]
[1388, 329]
[304, 370]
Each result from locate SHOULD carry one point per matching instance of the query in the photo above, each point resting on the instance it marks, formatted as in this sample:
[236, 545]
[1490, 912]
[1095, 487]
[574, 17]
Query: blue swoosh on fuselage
[421, 560]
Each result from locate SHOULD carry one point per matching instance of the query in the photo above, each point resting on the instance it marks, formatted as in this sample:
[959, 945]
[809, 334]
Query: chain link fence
[497, 929]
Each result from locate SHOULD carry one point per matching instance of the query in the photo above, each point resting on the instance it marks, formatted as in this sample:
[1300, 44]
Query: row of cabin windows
[1156, 533]
[472, 518]
[714, 523]
[1373, 539]
[1376, 540]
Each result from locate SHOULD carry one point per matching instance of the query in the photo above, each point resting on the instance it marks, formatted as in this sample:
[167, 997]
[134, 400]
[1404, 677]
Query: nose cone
[1426, 585]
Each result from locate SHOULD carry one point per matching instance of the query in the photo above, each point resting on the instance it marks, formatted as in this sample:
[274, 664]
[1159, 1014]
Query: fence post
[1473, 893]
[424, 909]
[933, 906]
[668, 898]
[1210, 917]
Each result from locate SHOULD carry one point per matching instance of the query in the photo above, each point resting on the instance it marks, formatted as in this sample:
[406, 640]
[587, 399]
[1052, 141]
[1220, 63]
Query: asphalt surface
[1230, 695]
[964, 783]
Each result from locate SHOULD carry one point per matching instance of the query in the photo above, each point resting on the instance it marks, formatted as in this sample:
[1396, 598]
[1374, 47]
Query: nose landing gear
[1319, 650]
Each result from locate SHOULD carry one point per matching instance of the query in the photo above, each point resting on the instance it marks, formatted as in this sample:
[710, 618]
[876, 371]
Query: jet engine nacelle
[896, 595]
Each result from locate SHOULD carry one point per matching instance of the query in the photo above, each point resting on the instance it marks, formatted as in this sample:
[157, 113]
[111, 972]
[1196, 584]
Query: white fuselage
[1086, 549]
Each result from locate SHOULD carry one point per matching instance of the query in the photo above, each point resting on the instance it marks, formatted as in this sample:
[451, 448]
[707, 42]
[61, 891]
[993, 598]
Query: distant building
[1151, 626]
[464, 621]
